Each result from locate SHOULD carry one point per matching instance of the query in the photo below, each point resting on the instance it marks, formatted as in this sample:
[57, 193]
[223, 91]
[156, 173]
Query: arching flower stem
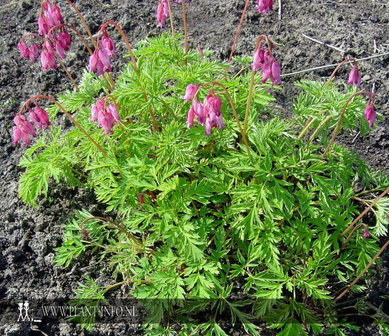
[83, 22]
[68, 115]
[337, 129]
[348, 60]
[238, 30]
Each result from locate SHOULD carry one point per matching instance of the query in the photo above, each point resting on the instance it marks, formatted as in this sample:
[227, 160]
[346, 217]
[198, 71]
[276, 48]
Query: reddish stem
[363, 272]
[348, 60]
[364, 212]
[83, 22]
[238, 30]
[185, 29]
[31, 34]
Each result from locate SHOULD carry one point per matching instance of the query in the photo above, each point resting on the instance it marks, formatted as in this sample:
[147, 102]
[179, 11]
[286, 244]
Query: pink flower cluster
[100, 61]
[31, 52]
[267, 64]
[208, 114]
[24, 130]
[50, 17]
[105, 116]
[264, 6]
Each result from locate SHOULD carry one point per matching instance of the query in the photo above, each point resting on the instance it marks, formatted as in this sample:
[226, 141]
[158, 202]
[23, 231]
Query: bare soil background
[358, 28]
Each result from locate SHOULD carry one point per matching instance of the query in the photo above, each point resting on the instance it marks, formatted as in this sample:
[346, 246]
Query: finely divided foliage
[245, 223]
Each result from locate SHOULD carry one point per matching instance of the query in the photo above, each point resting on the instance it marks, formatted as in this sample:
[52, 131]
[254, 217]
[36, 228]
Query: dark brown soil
[356, 28]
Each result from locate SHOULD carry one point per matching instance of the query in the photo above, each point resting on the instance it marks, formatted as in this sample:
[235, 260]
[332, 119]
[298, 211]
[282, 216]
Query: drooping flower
[269, 67]
[259, 58]
[162, 12]
[40, 117]
[199, 111]
[207, 114]
[24, 50]
[23, 129]
[43, 26]
[52, 14]
[33, 51]
[106, 116]
[212, 107]
[48, 57]
[354, 78]
[64, 38]
[370, 114]
[190, 92]
[365, 231]
[60, 48]
[264, 6]
[108, 45]
[190, 119]
[100, 62]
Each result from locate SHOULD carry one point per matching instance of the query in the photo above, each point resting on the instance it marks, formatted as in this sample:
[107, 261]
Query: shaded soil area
[28, 236]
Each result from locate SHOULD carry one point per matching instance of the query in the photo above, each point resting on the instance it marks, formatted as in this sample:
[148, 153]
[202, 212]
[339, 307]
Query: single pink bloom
[275, 73]
[190, 119]
[370, 114]
[108, 45]
[96, 108]
[43, 26]
[270, 68]
[114, 112]
[264, 6]
[259, 59]
[199, 111]
[213, 104]
[162, 12]
[65, 40]
[60, 48]
[354, 78]
[214, 118]
[24, 50]
[190, 92]
[48, 60]
[34, 51]
[40, 117]
[140, 198]
[23, 130]
[106, 121]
